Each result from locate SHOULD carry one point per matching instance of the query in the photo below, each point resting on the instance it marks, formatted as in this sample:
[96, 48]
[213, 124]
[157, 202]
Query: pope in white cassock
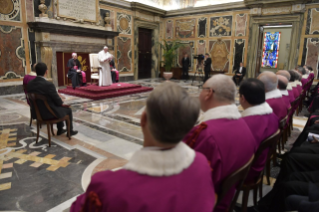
[105, 73]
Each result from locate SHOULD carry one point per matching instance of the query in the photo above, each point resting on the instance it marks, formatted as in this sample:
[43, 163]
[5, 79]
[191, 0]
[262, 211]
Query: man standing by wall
[186, 64]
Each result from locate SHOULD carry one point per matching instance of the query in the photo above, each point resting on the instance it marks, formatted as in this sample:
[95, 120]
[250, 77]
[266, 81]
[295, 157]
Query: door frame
[155, 48]
[296, 20]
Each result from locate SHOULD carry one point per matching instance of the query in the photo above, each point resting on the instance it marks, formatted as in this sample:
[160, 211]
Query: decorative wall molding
[10, 10]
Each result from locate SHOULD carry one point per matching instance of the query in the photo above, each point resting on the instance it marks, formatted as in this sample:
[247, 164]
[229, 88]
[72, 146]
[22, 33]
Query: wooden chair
[269, 143]
[26, 96]
[293, 109]
[283, 133]
[235, 179]
[37, 97]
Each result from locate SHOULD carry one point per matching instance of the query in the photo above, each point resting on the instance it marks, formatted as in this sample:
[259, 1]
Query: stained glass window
[270, 50]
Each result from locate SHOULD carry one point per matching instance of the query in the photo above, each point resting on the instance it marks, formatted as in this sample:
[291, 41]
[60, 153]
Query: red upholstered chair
[37, 97]
[235, 179]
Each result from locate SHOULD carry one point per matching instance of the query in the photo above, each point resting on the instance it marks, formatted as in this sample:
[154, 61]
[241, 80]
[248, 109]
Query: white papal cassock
[105, 72]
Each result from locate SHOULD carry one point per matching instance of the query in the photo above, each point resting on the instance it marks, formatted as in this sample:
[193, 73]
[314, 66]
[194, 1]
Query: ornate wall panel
[312, 21]
[188, 48]
[169, 29]
[201, 49]
[221, 26]
[124, 54]
[310, 53]
[185, 28]
[33, 56]
[124, 23]
[239, 52]
[241, 24]
[12, 54]
[220, 52]
[10, 10]
[202, 27]
[48, 3]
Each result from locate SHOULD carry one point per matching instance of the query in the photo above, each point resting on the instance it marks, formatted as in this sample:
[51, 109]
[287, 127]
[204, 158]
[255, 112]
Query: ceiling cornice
[273, 3]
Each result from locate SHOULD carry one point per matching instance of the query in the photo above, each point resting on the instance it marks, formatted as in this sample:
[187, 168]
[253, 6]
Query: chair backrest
[269, 142]
[237, 179]
[294, 103]
[283, 122]
[34, 98]
[94, 62]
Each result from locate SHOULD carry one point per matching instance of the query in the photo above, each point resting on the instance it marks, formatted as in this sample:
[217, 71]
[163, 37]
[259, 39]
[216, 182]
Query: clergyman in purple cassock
[165, 175]
[222, 136]
[277, 103]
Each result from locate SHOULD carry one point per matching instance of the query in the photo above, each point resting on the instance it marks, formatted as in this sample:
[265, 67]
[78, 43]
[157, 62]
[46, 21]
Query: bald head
[224, 88]
[269, 79]
[282, 82]
[284, 73]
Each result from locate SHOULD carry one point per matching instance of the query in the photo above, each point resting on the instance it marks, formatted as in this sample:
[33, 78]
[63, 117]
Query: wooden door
[145, 53]
[259, 51]
[62, 69]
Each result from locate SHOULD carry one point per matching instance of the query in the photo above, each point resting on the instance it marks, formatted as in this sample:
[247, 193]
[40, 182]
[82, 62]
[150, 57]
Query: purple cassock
[286, 97]
[226, 141]
[263, 123]
[291, 93]
[276, 102]
[154, 180]
[26, 79]
[294, 89]
[305, 78]
[312, 75]
[299, 86]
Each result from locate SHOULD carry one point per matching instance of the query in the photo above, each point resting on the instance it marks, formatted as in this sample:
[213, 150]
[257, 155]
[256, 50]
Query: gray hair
[269, 79]
[171, 112]
[224, 88]
[302, 70]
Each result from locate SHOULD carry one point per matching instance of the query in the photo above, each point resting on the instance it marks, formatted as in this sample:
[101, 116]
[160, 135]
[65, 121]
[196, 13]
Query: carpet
[92, 91]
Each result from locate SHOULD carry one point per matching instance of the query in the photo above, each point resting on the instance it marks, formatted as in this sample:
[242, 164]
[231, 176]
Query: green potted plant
[169, 53]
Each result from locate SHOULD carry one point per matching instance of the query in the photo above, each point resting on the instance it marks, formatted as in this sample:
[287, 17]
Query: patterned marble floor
[34, 177]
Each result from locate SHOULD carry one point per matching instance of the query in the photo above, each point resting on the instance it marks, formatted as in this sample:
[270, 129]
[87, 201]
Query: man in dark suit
[40, 85]
[74, 72]
[185, 64]
[207, 63]
[239, 74]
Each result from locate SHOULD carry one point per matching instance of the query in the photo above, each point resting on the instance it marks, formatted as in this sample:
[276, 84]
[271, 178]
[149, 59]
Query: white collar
[154, 162]
[284, 92]
[305, 76]
[261, 109]
[298, 83]
[274, 94]
[289, 87]
[311, 72]
[221, 112]
[293, 84]
[32, 74]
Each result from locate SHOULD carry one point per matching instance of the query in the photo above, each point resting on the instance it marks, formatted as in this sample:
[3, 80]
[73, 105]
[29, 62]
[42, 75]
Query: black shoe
[73, 132]
[60, 132]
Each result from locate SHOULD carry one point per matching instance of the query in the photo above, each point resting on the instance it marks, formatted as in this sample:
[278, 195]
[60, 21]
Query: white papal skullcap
[74, 54]
[105, 47]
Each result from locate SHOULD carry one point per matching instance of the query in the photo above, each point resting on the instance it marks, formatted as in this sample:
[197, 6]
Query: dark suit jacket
[72, 63]
[41, 86]
[186, 63]
[208, 63]
[243, 71]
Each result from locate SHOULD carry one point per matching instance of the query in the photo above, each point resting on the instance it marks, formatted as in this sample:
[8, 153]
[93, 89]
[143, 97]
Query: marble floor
[35, 177]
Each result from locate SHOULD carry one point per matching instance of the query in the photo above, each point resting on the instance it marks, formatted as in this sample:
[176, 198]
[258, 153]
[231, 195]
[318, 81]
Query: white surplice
[105, 72]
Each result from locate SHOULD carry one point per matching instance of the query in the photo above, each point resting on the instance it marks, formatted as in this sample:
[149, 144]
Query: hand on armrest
[65, 106]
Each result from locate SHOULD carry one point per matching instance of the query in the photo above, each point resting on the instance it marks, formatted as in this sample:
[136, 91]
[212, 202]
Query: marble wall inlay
[10, 10]
[13, 46]
[124, 54]
[202, 22]
[312, 21]
[188, 49]
[185, 28]
[221, 26]
[169, 29]
[239, 50]
[311, 54]
[124, 23]
[219, 52]
[241, 22]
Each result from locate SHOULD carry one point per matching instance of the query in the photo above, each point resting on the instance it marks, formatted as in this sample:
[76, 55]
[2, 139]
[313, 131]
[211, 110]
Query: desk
[177, 72]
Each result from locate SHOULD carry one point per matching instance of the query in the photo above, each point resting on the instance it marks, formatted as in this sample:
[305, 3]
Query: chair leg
[30, 118]
[69, 131]
[37, 132]
[268, 172]
[49, 136]
[255, 195]
[245, 200]
[52, 129]
[261, 189]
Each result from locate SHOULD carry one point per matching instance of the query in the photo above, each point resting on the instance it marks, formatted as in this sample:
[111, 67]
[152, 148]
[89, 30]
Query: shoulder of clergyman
[195, 134]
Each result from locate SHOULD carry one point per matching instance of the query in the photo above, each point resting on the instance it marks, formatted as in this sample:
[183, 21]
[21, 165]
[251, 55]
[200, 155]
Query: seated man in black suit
[239, 74]
[40, 85]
